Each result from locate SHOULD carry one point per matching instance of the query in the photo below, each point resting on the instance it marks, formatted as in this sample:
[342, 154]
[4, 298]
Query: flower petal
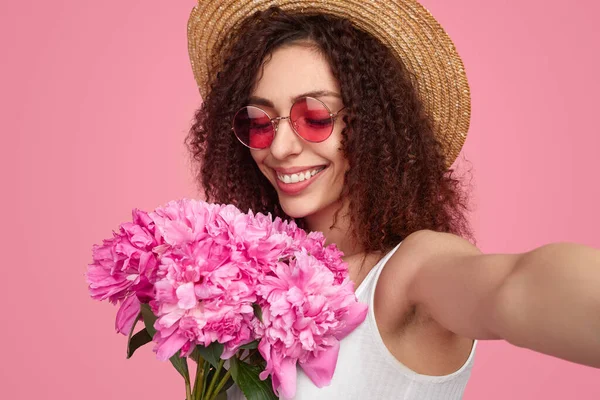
[167, 348]
[320, 369]
[186, 296]
[287, 376]
[129, 310]
[357, 312]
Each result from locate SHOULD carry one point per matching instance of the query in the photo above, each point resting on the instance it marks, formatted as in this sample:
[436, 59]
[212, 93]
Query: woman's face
[292, 72]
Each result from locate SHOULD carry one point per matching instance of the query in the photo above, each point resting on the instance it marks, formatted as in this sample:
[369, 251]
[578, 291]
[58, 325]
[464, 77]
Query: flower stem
[214, 379]
[199, 377]
[205, 371]
[188, 391]
[223, 382]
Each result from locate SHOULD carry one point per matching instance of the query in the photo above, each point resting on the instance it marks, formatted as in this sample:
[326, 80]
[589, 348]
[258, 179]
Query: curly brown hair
[397, 183]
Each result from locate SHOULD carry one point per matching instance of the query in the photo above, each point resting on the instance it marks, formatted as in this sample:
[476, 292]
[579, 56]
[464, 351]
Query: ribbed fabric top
[367, 370]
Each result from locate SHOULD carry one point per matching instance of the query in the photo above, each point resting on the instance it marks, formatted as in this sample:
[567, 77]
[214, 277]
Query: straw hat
[405, 26]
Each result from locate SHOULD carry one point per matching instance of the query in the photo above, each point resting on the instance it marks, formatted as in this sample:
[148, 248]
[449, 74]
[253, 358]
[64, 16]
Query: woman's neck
[341, 233]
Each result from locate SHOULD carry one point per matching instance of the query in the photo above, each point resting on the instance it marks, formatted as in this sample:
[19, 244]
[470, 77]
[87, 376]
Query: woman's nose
[286, 142]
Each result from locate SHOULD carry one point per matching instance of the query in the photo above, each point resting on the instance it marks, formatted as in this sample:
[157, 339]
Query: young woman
[345, 116]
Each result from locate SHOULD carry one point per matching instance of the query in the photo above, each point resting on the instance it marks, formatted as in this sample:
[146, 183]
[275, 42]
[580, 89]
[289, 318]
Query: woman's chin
[308, 205]
[296, 213]
[296, 209]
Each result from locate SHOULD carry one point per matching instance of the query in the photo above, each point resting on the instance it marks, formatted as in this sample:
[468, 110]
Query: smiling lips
[299, 176]
[293, 183]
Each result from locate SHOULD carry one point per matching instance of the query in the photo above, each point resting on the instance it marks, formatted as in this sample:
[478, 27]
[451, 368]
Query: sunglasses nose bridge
[277, 120]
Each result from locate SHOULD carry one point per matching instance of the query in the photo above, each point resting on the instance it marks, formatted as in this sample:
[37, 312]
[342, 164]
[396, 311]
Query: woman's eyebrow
[261, 101]
[317, 93]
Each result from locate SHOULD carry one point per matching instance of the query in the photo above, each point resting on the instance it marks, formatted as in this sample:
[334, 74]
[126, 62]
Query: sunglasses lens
[253, 127]
[312, 120]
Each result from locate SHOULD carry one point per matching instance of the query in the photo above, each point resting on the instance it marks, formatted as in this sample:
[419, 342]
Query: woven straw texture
[405, 26]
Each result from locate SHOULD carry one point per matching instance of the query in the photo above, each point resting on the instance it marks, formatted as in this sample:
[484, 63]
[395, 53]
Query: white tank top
[367, 370]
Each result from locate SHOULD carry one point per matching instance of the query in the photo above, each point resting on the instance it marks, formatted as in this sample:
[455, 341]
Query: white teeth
[299, 177]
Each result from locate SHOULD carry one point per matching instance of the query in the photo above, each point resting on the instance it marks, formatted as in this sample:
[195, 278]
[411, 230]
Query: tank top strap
[368, 284]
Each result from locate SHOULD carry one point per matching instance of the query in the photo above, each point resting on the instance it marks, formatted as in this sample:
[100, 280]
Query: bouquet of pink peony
[246, 297]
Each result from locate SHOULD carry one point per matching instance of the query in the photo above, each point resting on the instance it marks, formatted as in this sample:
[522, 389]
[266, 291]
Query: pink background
[97, 98]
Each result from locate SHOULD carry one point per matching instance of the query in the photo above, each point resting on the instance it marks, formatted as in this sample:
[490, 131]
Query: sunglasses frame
[275, 122]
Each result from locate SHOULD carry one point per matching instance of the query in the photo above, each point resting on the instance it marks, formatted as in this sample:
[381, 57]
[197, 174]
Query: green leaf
[149, 319]
[246, 377]
[212, 353]
[257, 311]
[137, 341]
[137, 318]
[195, 354]
[179, 363]
[250, 346]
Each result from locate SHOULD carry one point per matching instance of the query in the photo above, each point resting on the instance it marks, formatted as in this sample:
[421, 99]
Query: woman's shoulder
[407, 328]
[402, 270]
[423, 246]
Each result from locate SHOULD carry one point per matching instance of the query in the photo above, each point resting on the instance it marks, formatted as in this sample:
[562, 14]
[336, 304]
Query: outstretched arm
[547, 299]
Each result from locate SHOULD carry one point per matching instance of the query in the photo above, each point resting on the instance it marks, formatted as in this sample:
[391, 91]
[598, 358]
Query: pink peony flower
[305, 315]
[184, 221]
[330, 256]
[202, 296]
[125, 266]
[255, 241]
[314, 243]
